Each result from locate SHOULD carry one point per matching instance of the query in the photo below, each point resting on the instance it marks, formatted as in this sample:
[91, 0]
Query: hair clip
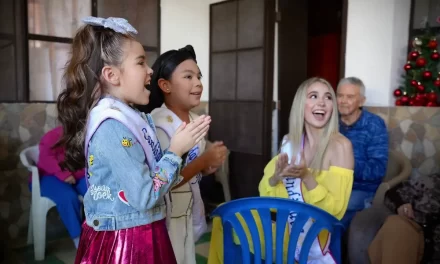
[117, 24]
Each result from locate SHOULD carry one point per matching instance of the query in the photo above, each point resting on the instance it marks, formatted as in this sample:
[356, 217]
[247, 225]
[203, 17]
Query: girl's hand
[296, 169]
[188, 135]
[215, 155]
[299, 167]
[70, 180]
[282, 169]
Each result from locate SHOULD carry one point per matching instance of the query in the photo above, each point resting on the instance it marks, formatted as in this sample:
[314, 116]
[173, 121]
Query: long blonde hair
[296, 124]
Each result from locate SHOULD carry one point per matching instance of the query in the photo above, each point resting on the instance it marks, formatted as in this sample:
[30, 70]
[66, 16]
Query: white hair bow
[118, 24]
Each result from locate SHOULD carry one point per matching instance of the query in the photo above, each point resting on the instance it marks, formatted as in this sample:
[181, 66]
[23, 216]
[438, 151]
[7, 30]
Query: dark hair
[163, 68]
[92, 48]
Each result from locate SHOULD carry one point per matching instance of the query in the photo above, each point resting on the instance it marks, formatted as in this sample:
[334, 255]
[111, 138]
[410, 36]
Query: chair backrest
[395, 165]
[262, 206]
[29, 156]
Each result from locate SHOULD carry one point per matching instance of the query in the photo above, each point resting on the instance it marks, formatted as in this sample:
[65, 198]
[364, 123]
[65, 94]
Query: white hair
[354, 81]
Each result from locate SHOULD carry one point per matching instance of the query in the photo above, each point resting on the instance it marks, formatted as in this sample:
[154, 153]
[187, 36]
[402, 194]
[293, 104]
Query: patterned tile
[415, 131]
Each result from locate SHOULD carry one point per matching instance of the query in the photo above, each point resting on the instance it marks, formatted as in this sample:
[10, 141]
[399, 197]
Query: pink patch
[157, 183]
[121, 196]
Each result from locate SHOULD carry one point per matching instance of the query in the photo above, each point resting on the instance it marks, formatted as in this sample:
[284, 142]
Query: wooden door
[241, 86]
[292, 56]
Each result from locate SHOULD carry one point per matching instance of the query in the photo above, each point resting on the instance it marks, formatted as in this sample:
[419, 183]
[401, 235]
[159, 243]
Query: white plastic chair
[39, 205]
[222, 176]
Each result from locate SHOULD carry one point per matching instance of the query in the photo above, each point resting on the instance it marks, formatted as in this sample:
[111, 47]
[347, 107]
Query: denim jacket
[128, 175]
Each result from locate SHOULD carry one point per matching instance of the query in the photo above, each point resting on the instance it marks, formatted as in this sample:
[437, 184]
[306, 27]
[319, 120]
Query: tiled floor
[62, 251]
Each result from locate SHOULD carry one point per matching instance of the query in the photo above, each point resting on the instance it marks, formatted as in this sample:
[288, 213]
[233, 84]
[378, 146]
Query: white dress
[187, 222]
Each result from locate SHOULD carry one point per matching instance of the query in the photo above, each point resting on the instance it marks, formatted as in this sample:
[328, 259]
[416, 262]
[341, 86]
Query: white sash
[140, 125]
[293, 186]
[187, 199]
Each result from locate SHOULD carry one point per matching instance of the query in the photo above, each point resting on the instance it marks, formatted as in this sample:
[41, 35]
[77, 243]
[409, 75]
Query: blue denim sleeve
[143, 186]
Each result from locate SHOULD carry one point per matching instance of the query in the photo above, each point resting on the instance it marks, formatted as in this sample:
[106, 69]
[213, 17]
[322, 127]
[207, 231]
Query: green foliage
[422, 59]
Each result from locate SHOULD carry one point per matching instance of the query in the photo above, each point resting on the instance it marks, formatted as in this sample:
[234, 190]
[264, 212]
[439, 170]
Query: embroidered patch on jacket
[170, 119]
[158, 180]
[122, 197]
[154, 144]
[126, 142]
[91, 159]
[101, 192]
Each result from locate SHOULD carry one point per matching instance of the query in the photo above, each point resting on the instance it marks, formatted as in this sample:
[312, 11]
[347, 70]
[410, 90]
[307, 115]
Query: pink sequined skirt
[149, 244]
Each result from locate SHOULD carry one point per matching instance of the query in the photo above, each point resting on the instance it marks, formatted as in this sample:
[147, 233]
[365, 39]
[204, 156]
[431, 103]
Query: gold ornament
[416, 42]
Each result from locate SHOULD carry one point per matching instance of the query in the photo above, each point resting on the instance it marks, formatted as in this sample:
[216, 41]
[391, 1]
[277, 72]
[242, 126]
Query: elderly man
[369, 137]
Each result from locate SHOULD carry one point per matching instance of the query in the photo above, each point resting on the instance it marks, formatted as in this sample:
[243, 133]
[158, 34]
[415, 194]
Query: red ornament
[432, 97]
[431, 104]
[420, 88]
[432, 44]
[405, 99]
[397, 93]
[407, 67]
[421, 62]
[437, 82]
[399, 102]
[435, 55]
[413, 55]
[427, 75]
[414, 83]
[417, 101]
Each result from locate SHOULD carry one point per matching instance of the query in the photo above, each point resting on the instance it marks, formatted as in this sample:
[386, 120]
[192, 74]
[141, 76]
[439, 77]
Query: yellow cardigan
[331, 194]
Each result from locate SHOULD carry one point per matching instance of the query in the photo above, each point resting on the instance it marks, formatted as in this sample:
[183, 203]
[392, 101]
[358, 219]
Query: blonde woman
[315, 165]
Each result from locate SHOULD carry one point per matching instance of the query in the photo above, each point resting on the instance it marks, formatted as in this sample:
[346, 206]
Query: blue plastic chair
[263, 205]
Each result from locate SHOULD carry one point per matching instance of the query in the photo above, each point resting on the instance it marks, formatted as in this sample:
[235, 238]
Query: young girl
[176, 83]
[315, 166]
[61, 186]
[128, 174]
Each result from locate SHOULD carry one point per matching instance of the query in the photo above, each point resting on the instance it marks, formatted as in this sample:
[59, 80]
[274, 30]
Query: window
[35, 38]
[423, 11]
[12, 51]
[51, 26]
[143, 15]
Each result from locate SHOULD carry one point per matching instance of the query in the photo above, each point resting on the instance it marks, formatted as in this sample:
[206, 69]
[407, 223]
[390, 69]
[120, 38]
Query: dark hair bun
[190, 50]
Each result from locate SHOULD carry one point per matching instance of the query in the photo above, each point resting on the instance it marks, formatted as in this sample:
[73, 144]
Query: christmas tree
[421, 85]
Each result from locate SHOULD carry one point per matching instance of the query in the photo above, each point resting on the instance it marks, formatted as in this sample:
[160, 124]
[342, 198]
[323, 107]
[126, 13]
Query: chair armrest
[401, 177]
[404, 174]
[379, 197]
[222, 174]
[35, 182]
[25, 162]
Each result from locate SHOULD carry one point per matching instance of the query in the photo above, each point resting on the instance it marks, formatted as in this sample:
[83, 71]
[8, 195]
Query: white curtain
[55, 18]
